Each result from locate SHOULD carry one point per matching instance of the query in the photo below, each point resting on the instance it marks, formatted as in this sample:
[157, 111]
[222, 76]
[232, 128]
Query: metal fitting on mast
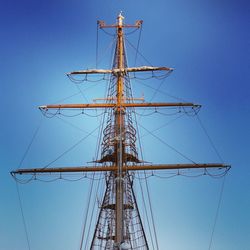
[120, 19]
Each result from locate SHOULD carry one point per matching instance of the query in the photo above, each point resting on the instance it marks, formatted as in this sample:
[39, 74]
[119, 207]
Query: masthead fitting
[120, 19]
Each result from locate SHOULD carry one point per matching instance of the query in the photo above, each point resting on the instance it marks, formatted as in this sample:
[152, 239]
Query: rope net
[104, 234]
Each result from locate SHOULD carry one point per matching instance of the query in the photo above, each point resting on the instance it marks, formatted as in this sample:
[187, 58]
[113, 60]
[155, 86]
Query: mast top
[120, 19]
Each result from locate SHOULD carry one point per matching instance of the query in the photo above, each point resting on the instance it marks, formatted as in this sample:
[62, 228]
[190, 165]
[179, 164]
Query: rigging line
[97, 115]
[218, 175]
[92, 211]
[85, 79]
[98, 184]
[66, 179]
[110, 45]
[48, 181]
[138, 43]
[90, 195]
[152, 215]
[107, 33]
[164, 125]
[142, 193]
[97, 44]
[99, 136]
[23, 217]
[74, 80]
[49, 114]
[22, 181]
[171, 147]
[148, 194]
[161, 113]
[157, 90]
[72, 125]
[217, 211]
[86, 213]
[31, 142]
[209, 138]
[63, 99]
[69, 149]
[145, 207]
[162, 92]
[84, 96]
[138, 52]
[150, 207]
[60, 113]
[101, 126]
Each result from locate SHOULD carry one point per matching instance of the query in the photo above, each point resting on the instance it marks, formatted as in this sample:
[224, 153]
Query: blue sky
[207, 42]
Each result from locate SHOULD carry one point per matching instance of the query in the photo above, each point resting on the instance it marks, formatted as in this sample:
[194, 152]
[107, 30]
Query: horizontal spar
[112, 105]
[114, 168]
[160, 104]
[119, 71]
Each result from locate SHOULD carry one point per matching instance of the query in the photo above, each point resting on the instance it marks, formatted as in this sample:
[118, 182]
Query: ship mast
[119, 156]
[119, 145]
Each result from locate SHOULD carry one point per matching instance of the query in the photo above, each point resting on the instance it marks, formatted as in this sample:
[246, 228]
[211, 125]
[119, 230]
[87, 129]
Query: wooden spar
[119, 147]
[120, 24]
[124, 168]
[119, 71]
[112, 105]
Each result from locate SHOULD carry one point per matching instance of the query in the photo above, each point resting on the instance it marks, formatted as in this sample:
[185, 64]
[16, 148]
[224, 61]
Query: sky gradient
[206, 42]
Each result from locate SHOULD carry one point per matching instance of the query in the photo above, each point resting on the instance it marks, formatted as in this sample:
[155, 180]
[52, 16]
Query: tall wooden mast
[119, 144]
[119, 220]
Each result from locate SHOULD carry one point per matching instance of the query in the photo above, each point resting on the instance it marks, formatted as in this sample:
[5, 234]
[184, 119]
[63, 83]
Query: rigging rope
[152, 215]
[163, 92]
[108, 48]
[138, 52]
[97, 44]
[58, 111]
[23, 217]
[174, 149]
[217, 212]
[66, 98]
[31, 142]
[156, 111]
[72, 125]
[209, 138]
[98, 184]
[69, 149]
[92, 214]
[86, 214]
[17, 187]
[84, 236]
[164, 125]
[146, 211]
[138, 43]
[84, 96]
[142, 192]
[157, 90]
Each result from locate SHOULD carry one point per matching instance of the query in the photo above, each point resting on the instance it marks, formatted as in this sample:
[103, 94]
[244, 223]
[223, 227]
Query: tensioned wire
[17, 187]
[222, 185]
[217, 212]
[148, 195]
[70, 148]
[23, 217]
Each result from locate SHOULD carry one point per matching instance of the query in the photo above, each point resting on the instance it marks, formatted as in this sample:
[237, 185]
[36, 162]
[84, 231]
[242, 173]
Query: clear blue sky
[208, 44]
